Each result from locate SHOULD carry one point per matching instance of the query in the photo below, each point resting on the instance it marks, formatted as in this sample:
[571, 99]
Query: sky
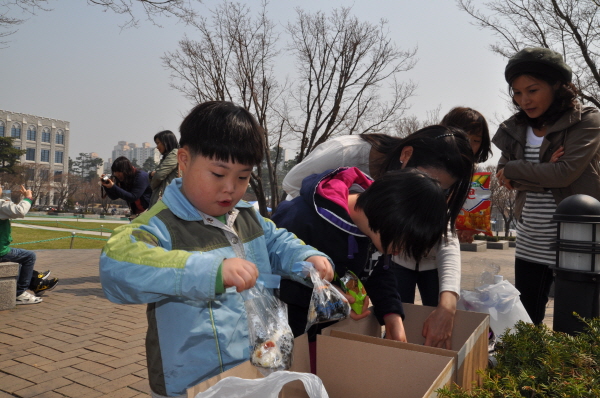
[76, 63]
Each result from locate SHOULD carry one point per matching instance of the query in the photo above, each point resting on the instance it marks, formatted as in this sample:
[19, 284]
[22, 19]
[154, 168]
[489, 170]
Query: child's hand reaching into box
[239, 273]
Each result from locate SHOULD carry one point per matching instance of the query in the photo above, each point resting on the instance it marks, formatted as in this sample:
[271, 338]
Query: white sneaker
[28, 298]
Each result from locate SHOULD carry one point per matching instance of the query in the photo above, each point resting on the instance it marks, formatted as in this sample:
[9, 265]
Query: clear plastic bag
[269, 387]
[501, 300]
[271, 338]
[327, 303]
[354, 287]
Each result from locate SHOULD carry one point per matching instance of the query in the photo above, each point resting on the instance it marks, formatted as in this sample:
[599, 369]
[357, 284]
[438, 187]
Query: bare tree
[502, 199]
[38, 180]
[132, 9]
[342, 66]
[570, 27]
[65, 187]
[233, 60]
[410, 124]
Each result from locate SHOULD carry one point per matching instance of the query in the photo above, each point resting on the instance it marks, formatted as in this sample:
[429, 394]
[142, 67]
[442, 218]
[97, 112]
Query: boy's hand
[394, 328]
[323, 267]
[239, 273]
[26, 192]
[351, 299]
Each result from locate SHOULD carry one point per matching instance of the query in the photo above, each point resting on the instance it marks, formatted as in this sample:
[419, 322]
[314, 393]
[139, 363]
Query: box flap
[352, 368]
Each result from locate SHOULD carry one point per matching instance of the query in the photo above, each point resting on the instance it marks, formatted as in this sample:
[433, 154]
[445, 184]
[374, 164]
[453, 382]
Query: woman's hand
[106, 183]
[503, 181]
[557, 154]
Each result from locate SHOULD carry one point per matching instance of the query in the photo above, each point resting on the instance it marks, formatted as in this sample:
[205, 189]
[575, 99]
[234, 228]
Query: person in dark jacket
[128, 183]
[359, 224]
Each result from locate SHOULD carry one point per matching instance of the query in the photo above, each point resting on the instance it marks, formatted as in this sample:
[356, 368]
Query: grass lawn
[75, 225]
[81, 240]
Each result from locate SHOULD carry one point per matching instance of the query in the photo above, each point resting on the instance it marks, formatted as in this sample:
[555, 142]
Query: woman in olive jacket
[167, 168]
[550, 150]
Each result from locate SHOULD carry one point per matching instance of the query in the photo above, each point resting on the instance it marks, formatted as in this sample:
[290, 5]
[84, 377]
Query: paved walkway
[78, 344]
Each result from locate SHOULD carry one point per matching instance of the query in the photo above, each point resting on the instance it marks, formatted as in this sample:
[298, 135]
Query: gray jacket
[165, 172]
[576, 172]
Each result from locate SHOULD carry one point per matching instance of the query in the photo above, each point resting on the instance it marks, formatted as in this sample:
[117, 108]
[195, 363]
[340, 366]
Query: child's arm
[285, 249]
[9, 209]
[239, 273]
[394, 328]
[138, 266]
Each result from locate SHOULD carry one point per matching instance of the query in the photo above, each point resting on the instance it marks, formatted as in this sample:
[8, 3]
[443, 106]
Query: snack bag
[327, 303]
[476, 211]
[354, 287]
[271, 338]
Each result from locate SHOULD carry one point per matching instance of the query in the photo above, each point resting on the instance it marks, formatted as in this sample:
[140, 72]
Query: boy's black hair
[440, 147]
[471, 122]
[223, 131]
[408, 209]
[168, 139]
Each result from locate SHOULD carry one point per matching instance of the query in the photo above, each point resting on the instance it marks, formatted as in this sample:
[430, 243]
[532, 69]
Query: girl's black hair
[168, 139]
[565, 98]
[471, 122]
[439, 147]
[408, 209]
[223, 131]
[123, 165]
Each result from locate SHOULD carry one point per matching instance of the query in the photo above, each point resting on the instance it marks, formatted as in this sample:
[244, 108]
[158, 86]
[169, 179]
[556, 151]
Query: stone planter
[476, 246]
[500, 245]
[8, 285]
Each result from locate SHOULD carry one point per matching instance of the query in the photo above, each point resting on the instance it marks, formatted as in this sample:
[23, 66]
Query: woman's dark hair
[408, 209]
[438, 147]
[223, 131]
[473, 123]
[565, 98]
[168, 139]
[123, 165]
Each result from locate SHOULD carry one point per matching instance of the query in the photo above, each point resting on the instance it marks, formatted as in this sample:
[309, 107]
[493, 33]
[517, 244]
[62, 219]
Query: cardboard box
[352, 365]
[301, 363]
[469, 339]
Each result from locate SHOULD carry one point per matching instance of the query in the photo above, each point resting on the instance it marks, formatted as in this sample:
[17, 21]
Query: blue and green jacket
[170, 257]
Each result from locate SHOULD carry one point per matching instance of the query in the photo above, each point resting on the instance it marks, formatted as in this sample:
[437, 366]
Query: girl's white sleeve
[448, 264]
[328, 155]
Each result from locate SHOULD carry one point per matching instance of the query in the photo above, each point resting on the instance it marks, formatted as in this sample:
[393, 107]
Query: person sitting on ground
[128, 183]
[38, 282]
[167, 168]
[183, 254]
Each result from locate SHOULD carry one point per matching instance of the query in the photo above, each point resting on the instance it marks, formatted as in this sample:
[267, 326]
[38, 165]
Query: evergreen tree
[149, 165]
[9, 155]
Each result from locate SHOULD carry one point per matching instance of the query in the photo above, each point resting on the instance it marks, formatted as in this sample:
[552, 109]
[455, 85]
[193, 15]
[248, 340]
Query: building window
[45, 155]
[30, 155]
[30, 174]
[1, 128]
[58, 157]
[46, 134]
[31, 132]
[15, 131]
[60, 137]
[44, 173]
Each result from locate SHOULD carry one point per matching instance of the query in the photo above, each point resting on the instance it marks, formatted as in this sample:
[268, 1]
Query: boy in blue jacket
[186, 254]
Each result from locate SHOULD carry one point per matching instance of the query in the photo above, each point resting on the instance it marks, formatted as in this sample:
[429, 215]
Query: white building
[45, 140]
[132, 151]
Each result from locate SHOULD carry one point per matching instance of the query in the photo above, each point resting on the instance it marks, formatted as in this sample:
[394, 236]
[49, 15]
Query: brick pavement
[78, 344]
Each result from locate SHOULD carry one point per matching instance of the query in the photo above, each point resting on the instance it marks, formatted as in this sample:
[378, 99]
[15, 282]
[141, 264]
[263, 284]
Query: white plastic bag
[269, 387]
[501, 300]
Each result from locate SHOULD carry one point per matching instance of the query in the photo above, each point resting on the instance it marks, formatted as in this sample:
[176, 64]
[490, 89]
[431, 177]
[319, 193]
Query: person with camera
[127, 183]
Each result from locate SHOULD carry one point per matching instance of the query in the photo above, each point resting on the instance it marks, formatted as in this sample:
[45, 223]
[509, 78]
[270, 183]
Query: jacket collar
[182, 208]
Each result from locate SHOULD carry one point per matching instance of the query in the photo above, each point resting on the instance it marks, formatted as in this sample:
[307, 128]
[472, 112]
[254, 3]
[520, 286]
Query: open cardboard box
[301, 363]
[469, 340]
[352, 365]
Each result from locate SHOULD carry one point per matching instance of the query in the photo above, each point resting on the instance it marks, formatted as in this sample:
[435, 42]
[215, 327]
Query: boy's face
[213, 186]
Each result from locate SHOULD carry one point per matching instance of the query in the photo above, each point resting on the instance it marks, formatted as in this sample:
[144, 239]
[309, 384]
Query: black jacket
[327, 226]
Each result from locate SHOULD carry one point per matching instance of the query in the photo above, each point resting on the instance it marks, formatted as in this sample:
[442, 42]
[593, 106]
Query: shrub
[479, 237]
[492, 239]
[538, 362]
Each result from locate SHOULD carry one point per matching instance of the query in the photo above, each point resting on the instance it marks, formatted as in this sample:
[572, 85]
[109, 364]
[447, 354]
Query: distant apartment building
[132, 151]
[45, 140]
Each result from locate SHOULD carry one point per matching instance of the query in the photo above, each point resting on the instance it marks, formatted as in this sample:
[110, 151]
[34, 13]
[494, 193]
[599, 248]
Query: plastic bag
[476, 211]
[271, 338]
[269, 387]
[354, 287]
[500, 300]
[327, 303]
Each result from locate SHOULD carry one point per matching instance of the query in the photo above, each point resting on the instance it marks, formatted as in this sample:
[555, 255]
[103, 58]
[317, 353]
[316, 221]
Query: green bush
[538, 362]
[479, 237]
[492, 238]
